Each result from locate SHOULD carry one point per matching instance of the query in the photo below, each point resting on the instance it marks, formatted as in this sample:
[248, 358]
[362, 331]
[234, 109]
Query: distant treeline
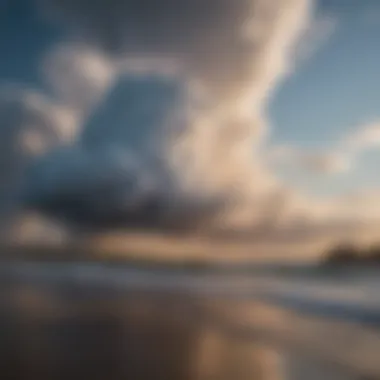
[349, 254]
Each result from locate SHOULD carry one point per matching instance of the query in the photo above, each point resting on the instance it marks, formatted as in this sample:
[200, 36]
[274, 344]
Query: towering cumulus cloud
[203, 164]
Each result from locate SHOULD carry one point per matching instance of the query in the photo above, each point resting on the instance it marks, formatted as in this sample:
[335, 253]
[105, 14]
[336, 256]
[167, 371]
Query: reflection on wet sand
[81, 330]
[63, 334]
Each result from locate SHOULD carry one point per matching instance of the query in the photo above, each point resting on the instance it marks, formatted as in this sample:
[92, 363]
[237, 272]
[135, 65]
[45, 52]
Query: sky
[332, 92]
[335, 91]
[162, 118]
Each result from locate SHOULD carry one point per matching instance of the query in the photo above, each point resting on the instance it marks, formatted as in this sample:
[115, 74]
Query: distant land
[351, 255]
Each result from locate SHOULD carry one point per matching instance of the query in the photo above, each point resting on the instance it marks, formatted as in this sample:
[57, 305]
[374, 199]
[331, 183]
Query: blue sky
[24, 37]
[333, 91]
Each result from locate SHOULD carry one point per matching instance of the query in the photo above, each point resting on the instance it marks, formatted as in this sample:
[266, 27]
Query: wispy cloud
[362, 138]
[78, 75]
[324, 163]
[318, 33]
[338, 160]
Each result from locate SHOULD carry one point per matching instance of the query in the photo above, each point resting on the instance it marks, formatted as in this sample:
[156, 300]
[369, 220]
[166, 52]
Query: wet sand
[65, 326]
[75, 331]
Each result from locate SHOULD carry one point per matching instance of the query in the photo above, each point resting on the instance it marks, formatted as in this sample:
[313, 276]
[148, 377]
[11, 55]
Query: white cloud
[31, 124]
[78, 75]
[339, 159]
[328, 163]
[207, 39]
[362, 138]
[317, 34]
[362, 208]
